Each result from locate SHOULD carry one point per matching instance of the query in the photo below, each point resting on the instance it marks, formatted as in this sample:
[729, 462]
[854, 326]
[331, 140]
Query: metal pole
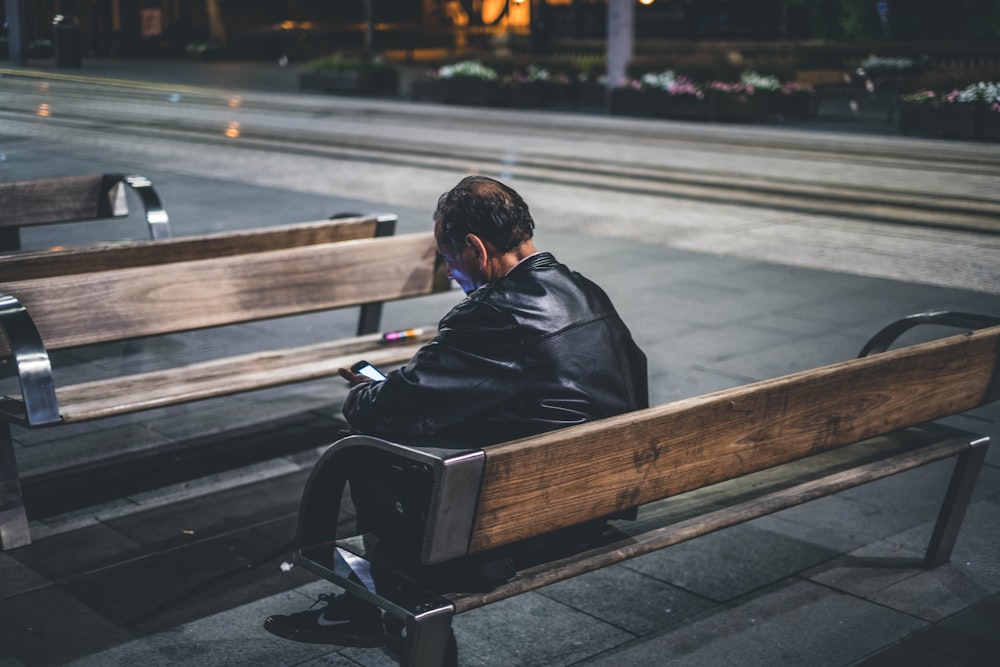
[369, 30]
[15, 31]
[621, 39]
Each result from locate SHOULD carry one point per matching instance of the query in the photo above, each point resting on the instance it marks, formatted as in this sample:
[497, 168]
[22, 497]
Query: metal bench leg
[956, 502]
[13, 520]
[426, 640]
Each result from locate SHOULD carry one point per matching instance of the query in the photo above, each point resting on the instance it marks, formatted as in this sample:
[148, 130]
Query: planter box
[991, 125]
[732, 107]
[349, 83]
[473, 92]
[781, 107]
[658, 104]
[954, 121]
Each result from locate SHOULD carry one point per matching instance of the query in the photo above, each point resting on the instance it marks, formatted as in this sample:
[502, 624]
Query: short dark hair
[487, 208]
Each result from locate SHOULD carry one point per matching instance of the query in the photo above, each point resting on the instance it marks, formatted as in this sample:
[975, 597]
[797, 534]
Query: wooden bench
[48, 201]
[691, 467]
[119, 292]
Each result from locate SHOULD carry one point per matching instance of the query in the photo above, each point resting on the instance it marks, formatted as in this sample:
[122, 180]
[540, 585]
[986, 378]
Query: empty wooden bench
[119, 292]
[48, 201]
[690, 467]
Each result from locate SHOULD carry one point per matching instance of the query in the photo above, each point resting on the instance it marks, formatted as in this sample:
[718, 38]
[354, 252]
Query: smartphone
[368, 370]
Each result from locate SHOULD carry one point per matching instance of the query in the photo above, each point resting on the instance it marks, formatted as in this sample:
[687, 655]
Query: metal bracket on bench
[114, 199]
[956, 502]
[370, 318]
[453, 492]
[418, 622]
[38, 393]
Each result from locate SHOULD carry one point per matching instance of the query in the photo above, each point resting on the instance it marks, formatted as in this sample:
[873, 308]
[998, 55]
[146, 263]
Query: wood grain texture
[137, 301]
[223, 377]
[540, 484]
[30, 265]
[699, 512]
[48, 200]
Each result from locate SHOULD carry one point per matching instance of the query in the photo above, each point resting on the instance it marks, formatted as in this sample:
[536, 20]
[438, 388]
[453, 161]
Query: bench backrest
[49, 200]
[117, 304]
[75, 199]
[539, 484]
[105, 257]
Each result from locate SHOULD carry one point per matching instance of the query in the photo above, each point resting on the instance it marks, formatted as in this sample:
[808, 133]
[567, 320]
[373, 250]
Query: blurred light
[43, 86]
[645, 2]
[43, 110]
[234, 102]
[287, 25]
[233, 130]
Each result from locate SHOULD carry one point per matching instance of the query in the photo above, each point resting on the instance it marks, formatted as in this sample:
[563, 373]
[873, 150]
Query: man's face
[461, 262]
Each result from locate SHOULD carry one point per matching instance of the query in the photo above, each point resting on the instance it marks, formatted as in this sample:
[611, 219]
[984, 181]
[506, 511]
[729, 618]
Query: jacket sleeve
[475, 362]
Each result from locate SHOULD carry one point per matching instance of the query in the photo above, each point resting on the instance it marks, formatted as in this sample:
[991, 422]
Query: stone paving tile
[16, 578]
[790, 356]
[793, 623]
[972, 635]
[629, 600]
[908, 653]
[50, 625]
[232, 637]
[889, 571]
[532, 630]
[921, 491]
[166, 589]
[725, 565]
[66, 555]
[840, 523]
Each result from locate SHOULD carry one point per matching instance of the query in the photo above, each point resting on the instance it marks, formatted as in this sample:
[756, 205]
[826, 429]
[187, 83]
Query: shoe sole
[323, 637]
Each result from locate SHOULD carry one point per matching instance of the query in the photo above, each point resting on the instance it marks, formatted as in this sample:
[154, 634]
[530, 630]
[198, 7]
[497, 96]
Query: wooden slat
[49, 200]
[712, 508]
[224, 377]
[111, 256]
[140, 301]
[537, 485]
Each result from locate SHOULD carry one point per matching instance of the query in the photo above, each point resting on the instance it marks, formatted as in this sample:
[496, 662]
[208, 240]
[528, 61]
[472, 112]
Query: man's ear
[479, 247]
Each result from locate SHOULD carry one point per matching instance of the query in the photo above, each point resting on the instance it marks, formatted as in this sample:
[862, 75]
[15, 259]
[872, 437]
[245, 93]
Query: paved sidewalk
[185, 573]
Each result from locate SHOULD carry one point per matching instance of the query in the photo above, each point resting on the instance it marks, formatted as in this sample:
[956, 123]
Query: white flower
[662, 80]
[470, 69]
[757, 81]
[980, 92]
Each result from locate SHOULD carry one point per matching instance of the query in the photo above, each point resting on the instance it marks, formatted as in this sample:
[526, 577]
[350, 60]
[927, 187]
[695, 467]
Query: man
[533, 347]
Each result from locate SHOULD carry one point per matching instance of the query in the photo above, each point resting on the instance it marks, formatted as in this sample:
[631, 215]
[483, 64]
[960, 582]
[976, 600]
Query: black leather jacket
[539, 349]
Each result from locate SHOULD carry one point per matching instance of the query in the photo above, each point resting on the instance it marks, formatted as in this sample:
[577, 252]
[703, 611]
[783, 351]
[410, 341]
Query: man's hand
[352, 377]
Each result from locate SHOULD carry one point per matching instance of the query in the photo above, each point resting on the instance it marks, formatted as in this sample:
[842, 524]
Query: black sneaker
[345, 621]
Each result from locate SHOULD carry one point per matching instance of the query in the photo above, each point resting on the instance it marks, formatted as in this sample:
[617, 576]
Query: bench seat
[219, 377]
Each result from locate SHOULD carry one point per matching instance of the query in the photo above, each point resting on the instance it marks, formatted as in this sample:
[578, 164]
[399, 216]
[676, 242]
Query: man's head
[483, 228]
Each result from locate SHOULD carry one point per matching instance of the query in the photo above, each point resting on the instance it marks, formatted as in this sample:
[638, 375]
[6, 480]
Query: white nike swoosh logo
[322, 620]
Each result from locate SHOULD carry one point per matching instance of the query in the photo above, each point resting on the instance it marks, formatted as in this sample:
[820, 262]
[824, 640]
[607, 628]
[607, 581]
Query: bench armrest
[881, 341]
[444, 481]
[38, 404]
[156, 215]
